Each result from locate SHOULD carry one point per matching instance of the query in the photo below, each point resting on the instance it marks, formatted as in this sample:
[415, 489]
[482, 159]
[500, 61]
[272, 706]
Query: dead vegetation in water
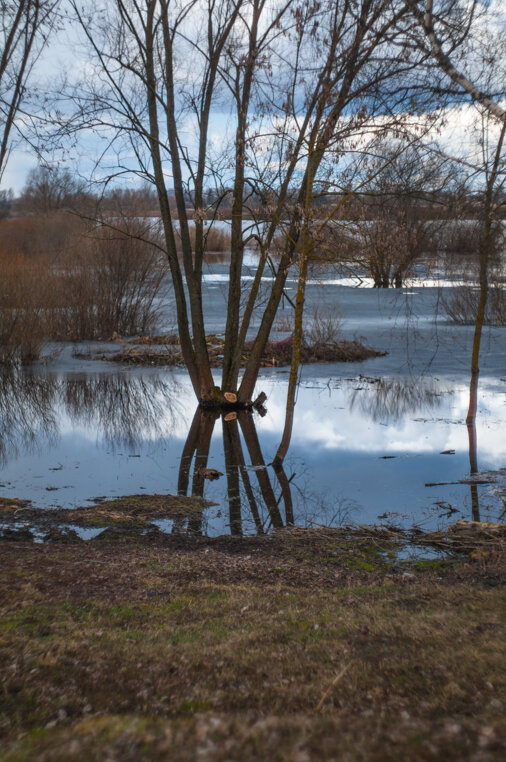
[65, 282]
[25, 322]
[280, 353]
[158, 351]
[474, 538]
[462, 304]
[215, 239]
[130, 512]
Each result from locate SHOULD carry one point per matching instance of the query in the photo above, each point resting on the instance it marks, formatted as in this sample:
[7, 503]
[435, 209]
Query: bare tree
[25, 26]
[296, 80]
[468, 43]
[465, 22]
[494, 171]
[396, 220]
[49, 189]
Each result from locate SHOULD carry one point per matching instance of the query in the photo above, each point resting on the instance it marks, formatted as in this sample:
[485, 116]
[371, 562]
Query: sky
[64, 54]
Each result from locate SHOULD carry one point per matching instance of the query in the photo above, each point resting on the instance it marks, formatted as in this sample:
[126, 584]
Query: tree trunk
[295, 363]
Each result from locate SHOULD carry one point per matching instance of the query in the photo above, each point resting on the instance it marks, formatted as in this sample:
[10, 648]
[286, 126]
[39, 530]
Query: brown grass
[214, 239]
[227, 651]
[316, 348]
[280, 353]
[41, 237]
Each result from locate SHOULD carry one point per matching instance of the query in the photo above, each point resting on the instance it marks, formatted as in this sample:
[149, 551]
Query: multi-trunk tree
[261, 100]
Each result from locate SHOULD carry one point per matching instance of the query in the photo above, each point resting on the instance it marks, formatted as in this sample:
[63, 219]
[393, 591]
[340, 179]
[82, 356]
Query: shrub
[113, 284]
[73, 287]
[38, 237]
[462, 304]
[324, 329]
[25, 321]
[215, 239]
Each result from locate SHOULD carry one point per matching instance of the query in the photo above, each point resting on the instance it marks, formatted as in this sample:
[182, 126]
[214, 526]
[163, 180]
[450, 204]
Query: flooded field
[384, 440]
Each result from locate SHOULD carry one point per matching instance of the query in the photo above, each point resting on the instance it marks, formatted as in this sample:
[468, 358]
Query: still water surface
[368, 437]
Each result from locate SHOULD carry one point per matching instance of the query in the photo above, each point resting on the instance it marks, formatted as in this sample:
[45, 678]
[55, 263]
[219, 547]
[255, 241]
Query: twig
[332, 685]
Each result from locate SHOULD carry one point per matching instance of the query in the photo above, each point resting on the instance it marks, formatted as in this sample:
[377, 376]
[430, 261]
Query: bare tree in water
[468, 43]
[396, 218]
[296, 80]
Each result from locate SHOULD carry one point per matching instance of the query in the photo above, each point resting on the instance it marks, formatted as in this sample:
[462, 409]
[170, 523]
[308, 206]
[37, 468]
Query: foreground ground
[299, 647]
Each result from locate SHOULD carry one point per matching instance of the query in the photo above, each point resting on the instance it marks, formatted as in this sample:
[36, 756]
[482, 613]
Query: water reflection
[358, 452]
[473, 444]
[125, 409]
[238, 475]
[27, 412]
[391, 399]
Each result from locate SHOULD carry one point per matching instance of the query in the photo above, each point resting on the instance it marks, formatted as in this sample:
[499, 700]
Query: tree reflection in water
[239, 481]
[391, 399]
[126, 409]
[473, 445]
[27, 412]
[394, 398]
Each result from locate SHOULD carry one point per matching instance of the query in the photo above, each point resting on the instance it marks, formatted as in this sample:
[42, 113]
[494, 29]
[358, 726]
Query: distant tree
[395, 224]
[6, 199]
[50, 189]
[130, 201]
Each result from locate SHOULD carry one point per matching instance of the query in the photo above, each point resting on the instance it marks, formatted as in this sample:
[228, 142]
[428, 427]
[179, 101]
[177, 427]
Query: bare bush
[37, 237]
[25, 321]
[284, 324]
[113, 284]
[215, 239]
[462, 305]
[459, 237]
[74, 287]
[324, 329]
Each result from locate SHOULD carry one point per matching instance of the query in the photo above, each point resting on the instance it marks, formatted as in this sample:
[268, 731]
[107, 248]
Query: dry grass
[223, 651]
[214, 239]
[41, 237]
[275, 354]
[280, 353]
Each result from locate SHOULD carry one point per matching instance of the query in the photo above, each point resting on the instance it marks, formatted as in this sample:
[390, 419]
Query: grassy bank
[298, 647]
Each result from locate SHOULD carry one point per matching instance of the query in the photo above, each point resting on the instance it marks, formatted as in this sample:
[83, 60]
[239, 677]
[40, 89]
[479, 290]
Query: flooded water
[379, 441]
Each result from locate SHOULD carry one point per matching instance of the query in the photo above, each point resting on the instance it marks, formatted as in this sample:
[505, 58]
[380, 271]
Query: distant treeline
[49, 189]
